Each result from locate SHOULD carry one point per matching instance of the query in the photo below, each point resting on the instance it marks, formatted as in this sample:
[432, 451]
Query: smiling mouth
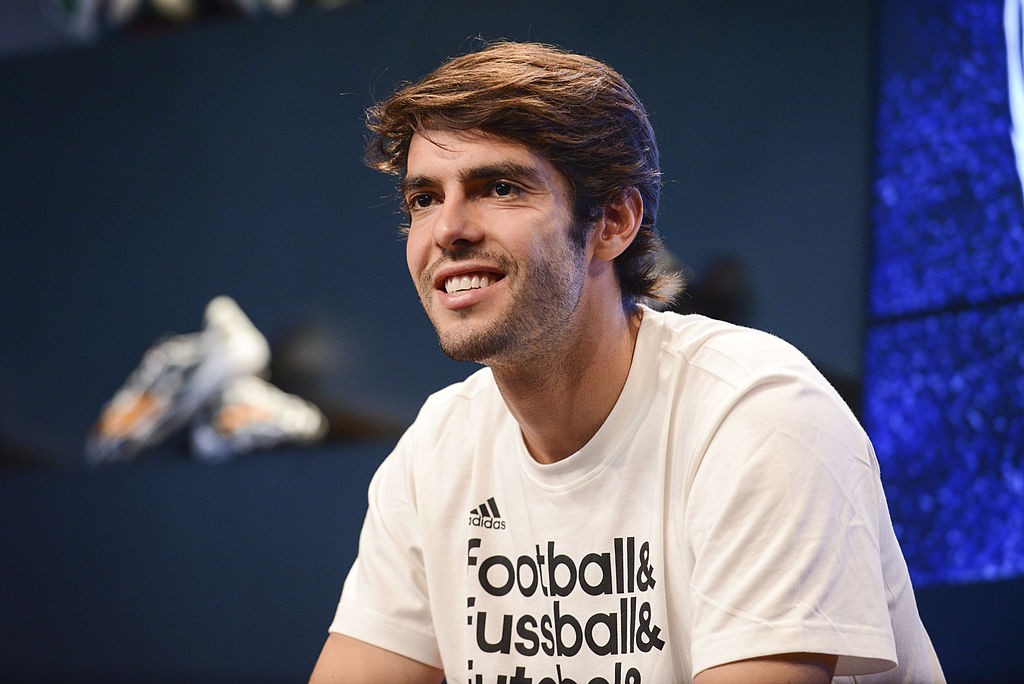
[473, 281]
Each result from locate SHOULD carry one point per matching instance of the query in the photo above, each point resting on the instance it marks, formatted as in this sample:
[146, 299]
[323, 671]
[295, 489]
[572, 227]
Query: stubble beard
[537, 318]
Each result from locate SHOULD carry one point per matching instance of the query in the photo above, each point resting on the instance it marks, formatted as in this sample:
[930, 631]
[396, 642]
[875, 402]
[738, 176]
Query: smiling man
[621, 495]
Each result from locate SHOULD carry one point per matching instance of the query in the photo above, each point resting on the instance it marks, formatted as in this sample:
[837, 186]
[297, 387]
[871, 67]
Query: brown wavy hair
[576, 112]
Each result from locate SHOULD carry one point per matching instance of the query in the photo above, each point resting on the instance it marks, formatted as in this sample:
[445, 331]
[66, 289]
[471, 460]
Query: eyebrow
[510, 170]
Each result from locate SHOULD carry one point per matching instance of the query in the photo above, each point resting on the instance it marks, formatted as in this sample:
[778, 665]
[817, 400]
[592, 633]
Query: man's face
[489, 247]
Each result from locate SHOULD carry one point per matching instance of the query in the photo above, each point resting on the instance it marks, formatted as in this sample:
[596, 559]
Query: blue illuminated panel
[948, 216]
[944, 364]
[946, 399]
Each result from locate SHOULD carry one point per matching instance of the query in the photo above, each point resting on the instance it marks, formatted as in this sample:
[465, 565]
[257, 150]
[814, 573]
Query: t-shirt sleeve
[782, 519]
[385, 601]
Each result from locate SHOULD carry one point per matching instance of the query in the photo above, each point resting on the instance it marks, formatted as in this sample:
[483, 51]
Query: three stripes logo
[486, 515]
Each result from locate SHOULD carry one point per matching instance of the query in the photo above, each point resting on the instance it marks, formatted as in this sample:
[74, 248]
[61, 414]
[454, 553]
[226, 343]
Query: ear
[618, 225]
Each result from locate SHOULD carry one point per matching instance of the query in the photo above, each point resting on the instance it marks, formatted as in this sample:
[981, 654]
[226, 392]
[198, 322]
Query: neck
[561, 400]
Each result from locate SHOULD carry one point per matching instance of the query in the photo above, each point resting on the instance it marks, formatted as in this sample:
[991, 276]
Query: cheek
[416, 249]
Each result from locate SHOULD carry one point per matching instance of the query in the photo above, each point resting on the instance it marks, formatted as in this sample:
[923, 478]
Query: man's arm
[787, 668]
[345, 660]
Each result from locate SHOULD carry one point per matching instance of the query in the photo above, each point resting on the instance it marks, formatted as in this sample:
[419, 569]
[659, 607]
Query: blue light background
[946, 392]
[944, 364]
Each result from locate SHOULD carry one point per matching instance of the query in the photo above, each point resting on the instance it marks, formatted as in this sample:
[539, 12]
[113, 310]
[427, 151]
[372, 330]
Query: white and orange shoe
[176, 378]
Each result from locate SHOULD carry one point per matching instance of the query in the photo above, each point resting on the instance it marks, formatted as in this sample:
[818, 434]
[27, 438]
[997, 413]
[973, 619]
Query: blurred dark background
[150, 168]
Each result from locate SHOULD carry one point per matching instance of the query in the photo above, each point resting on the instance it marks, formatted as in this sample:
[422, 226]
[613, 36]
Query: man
[622, 495]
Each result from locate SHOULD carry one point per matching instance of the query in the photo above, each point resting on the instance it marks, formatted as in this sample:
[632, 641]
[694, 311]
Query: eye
[504, 189]
[420, 201]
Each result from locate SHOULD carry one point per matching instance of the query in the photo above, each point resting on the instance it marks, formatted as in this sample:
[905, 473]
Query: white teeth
[461, 283]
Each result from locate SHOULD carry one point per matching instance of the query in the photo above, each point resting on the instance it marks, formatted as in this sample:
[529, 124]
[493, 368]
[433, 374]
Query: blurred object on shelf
[207, 380]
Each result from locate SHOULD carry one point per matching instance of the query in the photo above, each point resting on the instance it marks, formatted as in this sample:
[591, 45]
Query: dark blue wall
[172, 572]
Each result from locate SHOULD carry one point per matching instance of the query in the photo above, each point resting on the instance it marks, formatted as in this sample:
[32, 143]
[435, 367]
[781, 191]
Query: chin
[462, 349]
[476, 345]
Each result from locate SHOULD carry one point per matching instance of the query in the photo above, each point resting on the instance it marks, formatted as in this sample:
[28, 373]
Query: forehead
[437, 152]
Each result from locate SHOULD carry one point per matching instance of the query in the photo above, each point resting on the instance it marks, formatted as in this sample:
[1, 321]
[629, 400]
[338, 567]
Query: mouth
[454, 279]
[469, 281]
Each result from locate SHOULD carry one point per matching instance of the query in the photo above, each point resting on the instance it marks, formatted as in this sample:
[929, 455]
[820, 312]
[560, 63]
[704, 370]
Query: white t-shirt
[730, 507]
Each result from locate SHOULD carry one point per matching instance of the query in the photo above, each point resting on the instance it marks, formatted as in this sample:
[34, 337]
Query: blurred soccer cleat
[177, 377]
[251, 414]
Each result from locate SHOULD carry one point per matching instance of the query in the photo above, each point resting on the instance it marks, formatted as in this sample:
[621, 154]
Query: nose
[457, 225]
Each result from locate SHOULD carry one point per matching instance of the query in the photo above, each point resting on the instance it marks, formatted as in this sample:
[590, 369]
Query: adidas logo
[486, 515]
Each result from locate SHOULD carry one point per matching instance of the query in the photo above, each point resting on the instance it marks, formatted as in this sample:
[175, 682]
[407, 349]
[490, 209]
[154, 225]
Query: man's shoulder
[451, 418]
[732, 353]
[693, 334]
